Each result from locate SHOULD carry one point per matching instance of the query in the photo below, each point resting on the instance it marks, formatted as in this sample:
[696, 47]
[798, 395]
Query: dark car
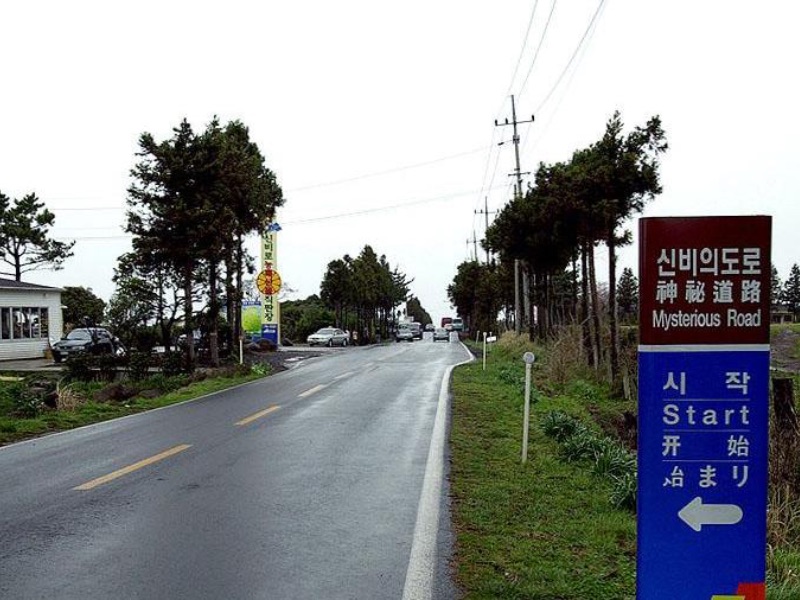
[93, 340]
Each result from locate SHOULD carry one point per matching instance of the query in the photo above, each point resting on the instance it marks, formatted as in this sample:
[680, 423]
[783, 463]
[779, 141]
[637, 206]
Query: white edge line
[419, 575]
[139, 414]
[705, 348]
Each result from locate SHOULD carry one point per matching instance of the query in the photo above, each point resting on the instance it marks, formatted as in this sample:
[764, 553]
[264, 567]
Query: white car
[328, 336]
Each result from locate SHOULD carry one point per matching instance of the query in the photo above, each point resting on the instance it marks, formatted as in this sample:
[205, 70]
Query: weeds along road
[307, 484]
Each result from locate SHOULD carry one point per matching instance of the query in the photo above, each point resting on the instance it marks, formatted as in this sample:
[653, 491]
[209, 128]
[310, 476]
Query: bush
[260, 369]
[106, 365]
[79, 368]
[559, 425]
[27, 403]
[172, 364]
[623, 491]
[138, 365]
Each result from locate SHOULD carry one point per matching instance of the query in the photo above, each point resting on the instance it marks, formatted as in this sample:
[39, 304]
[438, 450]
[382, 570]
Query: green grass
[544, 530]
[13, 428]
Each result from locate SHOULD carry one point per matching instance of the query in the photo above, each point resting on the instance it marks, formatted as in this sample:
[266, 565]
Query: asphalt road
[322, 482]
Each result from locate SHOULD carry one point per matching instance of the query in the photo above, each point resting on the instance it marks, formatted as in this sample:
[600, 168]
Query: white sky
[334, 91]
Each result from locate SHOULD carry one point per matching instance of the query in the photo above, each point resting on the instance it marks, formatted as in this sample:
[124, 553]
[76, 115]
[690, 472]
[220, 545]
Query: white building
[30, 315]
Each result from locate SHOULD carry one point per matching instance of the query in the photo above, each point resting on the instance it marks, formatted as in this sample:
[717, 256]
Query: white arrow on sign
[696, 514]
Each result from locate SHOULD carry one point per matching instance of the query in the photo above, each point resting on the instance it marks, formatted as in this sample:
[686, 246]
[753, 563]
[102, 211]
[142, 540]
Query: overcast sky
[378, 118]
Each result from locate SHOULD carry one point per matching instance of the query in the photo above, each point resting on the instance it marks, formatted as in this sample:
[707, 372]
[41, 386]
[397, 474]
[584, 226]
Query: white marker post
[484, 350]
[529, 359]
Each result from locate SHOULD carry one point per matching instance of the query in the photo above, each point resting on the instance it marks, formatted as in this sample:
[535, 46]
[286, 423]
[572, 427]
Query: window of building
[24, 323]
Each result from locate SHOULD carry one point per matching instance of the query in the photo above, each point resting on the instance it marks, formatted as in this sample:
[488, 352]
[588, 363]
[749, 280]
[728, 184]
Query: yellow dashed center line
[131, 468]
[258, 415]
[313, 390]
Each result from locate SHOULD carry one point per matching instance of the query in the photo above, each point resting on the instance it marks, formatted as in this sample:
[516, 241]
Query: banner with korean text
[269, 284]
[703, 407]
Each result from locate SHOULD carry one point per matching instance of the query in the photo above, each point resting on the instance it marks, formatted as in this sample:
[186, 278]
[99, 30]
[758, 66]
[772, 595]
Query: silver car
[328, 336]
[440, 333]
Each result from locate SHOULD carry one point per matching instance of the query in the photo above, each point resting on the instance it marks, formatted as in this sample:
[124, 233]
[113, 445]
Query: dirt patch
[279, 361]
[783, 346]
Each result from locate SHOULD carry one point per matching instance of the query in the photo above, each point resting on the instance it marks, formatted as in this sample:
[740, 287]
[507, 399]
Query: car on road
[458, 324]
[91, 340]
[430, 327]
[404, 333]
[328, 336]
[440, 333]
[416, 329]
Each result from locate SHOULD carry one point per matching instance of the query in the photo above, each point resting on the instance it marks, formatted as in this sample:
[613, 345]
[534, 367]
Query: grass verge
[83, 410]
[545, 529]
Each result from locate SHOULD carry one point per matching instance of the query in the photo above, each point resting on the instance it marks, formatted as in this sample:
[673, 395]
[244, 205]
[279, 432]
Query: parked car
[94, 340]
[404, 333]
[440, 333]
[328, 336]
[458, 324]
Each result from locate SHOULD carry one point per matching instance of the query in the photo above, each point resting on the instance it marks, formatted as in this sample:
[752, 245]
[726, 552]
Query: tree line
[551, 233]
[363, 293]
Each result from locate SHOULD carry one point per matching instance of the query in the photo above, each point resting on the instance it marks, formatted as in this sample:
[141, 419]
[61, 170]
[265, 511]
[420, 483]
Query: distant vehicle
[446, 321]
[440, 333]
[328, 336]
[458, 324]
[416, 329]
[429, 327]
[92, 340]
[404, 333]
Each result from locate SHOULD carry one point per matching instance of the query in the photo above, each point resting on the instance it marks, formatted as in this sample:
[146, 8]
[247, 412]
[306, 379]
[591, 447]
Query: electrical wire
[378, 209]
[387, 171]
[538, 49]
[522, 50]
[572, 58]
[551, 118]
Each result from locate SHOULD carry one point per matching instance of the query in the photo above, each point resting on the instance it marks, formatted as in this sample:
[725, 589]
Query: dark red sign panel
[704, 280]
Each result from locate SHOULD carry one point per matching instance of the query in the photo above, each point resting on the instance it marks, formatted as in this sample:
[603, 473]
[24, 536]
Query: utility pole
[485, 212]
[518, 194]
[474, 242]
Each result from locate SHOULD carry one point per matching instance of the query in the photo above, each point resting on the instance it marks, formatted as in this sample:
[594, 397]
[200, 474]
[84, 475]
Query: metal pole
[517, 319]
[529, 358]
[484, 350]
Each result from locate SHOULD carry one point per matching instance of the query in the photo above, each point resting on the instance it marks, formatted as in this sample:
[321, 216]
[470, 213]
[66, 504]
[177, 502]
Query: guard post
[703, 407]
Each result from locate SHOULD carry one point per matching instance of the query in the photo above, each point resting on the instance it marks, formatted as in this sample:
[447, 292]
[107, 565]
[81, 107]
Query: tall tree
[80, 304]
[791, 292]
[628, 296]
[25, 244]
[416, 312]
[623, 173]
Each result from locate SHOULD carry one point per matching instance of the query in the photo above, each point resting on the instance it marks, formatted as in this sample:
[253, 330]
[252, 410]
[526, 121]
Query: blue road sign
[703, 407]
[702, 477]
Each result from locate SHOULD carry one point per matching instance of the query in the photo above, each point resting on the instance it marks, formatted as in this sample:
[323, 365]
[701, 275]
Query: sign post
[269, 284]
[703, 407]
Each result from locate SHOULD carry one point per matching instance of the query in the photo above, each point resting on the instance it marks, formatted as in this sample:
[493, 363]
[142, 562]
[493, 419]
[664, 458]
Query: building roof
[11, 284]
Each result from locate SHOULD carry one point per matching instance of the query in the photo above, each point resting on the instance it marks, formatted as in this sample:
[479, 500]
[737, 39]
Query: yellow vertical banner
[269, 284]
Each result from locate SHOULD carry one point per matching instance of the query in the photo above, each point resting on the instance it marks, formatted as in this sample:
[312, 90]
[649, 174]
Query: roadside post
[484, 350]
[529, 359]
[703, 407]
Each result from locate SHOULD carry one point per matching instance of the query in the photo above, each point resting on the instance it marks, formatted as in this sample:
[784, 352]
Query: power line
[388, 171]
[551, 117]
[522, 50]
[538, 48]
[379, 208]
[572, 58]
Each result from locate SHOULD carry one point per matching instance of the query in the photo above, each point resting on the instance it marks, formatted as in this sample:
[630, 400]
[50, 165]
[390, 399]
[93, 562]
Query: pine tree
[628, 296]
[791, 291]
